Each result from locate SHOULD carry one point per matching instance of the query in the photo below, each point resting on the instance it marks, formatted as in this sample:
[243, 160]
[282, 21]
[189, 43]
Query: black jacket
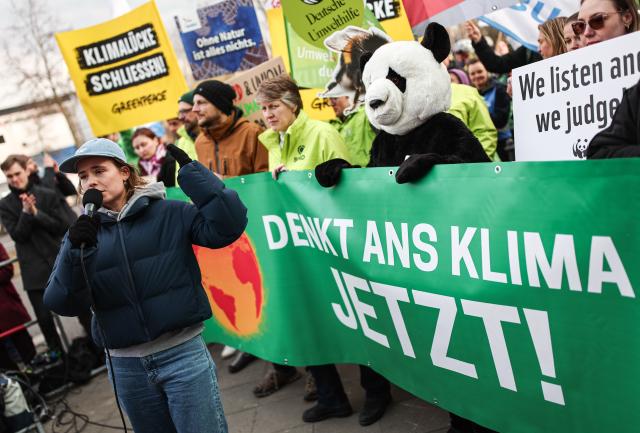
[443, 134]
[60, 184]
[621, 139]
[37, 237]
[143, 272]
[504, 64]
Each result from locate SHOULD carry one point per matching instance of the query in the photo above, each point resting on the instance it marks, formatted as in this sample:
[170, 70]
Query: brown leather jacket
[232, 149]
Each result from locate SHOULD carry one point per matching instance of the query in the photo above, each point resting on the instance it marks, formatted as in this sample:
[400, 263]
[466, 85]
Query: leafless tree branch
[34, 58]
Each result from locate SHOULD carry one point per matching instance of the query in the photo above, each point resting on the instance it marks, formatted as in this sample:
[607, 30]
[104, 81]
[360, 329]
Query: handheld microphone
[92, 200]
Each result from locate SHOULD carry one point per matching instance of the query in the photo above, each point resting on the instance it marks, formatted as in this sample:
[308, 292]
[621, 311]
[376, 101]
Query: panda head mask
[406, 83]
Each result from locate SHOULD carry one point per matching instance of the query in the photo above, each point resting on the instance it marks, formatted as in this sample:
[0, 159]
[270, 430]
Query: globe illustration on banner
[232, 279]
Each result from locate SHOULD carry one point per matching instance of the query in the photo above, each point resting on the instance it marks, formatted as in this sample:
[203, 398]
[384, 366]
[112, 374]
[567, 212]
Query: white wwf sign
[559, 104]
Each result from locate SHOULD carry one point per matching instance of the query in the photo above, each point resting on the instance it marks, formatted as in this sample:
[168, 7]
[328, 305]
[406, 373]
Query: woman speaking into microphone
[132, 261]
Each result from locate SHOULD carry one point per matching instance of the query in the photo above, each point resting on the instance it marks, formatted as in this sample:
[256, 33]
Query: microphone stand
[102, 334]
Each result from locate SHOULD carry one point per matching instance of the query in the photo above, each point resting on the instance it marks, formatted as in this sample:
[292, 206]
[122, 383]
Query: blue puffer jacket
[144, 275]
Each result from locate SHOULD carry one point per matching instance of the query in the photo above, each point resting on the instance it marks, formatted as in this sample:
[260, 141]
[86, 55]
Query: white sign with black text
[559, 104]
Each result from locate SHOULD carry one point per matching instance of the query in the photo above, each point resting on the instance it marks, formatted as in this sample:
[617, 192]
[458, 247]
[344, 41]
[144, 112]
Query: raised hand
[179, 155]
[48, 161]
[473, 32]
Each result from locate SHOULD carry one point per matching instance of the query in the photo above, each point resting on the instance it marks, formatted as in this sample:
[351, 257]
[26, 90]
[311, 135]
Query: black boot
[373, 410]
[321, 412]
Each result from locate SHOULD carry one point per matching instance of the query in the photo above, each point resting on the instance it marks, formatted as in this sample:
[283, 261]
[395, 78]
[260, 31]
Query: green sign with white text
[505, 293]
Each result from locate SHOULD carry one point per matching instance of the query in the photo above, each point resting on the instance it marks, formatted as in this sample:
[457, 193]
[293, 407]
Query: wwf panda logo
[312, 2]
[580, 148]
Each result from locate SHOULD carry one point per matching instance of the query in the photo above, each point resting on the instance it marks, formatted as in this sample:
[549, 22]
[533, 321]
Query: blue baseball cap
[95, 147]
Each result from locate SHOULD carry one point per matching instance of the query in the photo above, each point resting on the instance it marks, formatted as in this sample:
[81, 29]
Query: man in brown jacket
[227, 144]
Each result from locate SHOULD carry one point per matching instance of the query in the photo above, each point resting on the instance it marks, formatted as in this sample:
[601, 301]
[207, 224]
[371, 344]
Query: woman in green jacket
[294, 141]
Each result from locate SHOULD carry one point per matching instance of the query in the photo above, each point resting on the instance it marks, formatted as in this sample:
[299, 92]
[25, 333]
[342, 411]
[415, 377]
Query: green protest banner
[504, 293]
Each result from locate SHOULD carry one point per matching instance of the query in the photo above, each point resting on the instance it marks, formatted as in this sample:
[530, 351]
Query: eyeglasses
[596, 22]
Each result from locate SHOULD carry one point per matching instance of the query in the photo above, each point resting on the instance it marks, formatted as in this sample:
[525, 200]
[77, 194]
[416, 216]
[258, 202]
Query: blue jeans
[173, 391]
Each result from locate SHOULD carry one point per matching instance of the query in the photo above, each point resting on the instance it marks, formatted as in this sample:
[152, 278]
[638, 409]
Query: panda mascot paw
[328, 173]
[416, 167]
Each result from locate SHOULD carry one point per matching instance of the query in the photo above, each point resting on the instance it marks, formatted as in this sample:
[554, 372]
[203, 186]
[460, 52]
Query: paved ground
[278, 413]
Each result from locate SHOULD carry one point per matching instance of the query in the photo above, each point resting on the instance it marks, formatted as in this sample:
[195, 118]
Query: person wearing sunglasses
[571, 40]
[601, 20]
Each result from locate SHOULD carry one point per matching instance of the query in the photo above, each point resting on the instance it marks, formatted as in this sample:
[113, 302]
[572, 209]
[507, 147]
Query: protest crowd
[128, 266]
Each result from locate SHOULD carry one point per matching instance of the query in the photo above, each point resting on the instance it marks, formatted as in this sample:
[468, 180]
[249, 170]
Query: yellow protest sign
[124, 70]
[397, 24]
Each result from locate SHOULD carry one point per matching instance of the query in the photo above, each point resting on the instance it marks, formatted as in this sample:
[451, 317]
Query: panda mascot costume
[407, 94]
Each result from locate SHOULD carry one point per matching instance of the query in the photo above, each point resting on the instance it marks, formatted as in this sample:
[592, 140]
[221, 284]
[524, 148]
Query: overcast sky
[76, 14]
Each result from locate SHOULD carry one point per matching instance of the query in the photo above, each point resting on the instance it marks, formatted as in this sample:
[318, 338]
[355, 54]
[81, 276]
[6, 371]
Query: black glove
[416, 167]
[179, 155]
[328, 173]
[84, 231]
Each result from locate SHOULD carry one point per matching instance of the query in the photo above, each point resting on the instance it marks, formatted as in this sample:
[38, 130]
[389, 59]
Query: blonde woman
[551, 37]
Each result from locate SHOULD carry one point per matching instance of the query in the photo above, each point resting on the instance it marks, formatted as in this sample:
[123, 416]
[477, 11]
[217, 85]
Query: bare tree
[33, 57]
